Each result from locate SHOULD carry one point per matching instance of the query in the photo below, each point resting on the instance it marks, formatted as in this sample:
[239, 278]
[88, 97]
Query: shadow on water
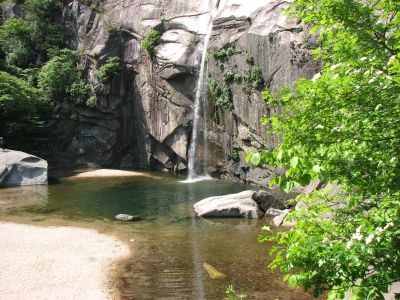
[173, 245]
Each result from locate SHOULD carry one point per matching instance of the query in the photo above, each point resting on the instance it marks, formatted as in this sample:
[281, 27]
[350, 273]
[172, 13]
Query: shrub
[150, 41]
[222, 96]
[80, 91]
[225, 98]
[249, 58]
[229, 76]
[219, 54]
[256, 78]
[214, 88]
[237, 78]
[110, 68]
[92, 101]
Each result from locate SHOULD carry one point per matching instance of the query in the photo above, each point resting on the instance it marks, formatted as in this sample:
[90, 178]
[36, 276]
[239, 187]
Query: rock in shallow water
[213, 272]
[269, 198]
[125, 217]
[20, 168]
[240, 205]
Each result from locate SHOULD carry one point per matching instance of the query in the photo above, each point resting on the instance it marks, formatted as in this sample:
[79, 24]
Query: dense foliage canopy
[344, 128]
[33, 51]
[18, 106]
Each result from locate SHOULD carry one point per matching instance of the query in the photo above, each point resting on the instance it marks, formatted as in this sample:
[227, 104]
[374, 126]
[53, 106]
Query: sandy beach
[56, 262]
[111, 173]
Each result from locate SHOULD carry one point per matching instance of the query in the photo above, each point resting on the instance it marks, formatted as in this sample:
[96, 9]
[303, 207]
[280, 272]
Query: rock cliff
[144, 114]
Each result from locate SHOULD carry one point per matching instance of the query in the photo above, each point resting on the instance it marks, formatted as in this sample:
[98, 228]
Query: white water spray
[198, 163]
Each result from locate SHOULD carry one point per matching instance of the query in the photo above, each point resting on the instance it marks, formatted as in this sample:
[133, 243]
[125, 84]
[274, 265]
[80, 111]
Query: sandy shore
[112, 173]
[56, 262]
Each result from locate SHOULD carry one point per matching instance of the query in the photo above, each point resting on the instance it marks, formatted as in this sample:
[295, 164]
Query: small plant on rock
[256, 77]
[150, 41]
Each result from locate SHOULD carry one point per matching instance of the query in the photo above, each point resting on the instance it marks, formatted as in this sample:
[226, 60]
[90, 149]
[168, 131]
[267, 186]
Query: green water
[172, 245]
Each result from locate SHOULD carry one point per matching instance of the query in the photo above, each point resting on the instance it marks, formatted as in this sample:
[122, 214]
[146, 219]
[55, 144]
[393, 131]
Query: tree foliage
[25, 41]
[32, 53]
[61, 79]
[18, 107]
[15, 42]
[343, 127]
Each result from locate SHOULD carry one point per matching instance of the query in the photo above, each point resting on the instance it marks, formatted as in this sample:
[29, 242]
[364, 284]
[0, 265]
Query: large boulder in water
[239, 205]
[20, 168]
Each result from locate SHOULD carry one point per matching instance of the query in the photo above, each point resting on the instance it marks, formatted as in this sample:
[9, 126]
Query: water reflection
[23, 198]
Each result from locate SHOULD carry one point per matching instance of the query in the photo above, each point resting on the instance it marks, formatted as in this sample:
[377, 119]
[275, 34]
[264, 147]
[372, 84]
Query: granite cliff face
[144, 115]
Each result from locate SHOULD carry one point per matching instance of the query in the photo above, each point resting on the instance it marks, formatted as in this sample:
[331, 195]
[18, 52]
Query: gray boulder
[240, 205]
[20, 168]
[269, 198]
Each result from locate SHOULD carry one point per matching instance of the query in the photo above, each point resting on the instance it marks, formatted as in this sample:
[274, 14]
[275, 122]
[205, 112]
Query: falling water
[198, 163]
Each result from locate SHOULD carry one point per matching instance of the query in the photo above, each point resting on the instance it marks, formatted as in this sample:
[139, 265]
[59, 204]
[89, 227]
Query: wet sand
[57, 262]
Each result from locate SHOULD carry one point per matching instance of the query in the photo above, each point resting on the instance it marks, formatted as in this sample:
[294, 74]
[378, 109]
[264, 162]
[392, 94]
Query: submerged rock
[213, 272]
[233, 206]
[20, 168]
[125, 217]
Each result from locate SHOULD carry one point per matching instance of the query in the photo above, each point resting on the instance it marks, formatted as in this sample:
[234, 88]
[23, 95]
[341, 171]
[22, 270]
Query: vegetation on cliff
[343, 128]
[150, 41]
[26, 43]
[33, 50]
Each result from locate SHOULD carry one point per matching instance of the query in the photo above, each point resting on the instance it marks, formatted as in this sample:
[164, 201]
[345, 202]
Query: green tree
[26, 41]
[46, 32]
[18, 107]
[58, 75]
[15, 42]
[61, 80]
[343, 127]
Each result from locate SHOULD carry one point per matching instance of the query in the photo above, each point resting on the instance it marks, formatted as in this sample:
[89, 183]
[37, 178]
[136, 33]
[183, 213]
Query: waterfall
[198, 162]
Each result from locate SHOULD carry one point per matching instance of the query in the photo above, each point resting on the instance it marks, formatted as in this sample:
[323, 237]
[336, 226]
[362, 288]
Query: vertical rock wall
[144, 114]
[265, 39]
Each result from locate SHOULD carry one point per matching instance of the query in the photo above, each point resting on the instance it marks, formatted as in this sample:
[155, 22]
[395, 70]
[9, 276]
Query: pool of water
[169, 245]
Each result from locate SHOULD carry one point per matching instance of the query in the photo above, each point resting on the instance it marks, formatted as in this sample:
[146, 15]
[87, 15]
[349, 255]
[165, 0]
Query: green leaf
[279, 155]
[305, 179]
[275, 181]
[264, 121]
[262, 238]
[293, 280]
[316, 168]
[255, 158]
[294, 161]
[248, 157]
